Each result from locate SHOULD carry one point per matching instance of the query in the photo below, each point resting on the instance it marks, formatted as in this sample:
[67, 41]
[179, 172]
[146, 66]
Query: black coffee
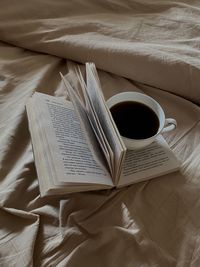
[135, 120]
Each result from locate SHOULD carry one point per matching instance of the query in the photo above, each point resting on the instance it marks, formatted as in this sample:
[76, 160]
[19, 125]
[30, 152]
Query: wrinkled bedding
[152, 46]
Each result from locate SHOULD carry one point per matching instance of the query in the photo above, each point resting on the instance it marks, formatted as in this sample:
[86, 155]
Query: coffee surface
[135, 120]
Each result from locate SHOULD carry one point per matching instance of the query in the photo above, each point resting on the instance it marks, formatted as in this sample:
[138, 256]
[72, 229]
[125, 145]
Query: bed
[150, 45]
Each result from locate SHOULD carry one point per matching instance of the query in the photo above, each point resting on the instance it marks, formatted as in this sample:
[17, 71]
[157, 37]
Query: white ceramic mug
[165, 125]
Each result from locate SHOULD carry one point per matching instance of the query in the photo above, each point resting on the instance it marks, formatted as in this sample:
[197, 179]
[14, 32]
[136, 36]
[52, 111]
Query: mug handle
[170, 124]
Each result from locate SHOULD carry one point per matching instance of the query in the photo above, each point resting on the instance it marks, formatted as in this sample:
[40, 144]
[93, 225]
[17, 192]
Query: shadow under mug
[165, 124]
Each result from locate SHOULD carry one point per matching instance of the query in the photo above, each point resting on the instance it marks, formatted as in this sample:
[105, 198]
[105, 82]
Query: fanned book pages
[77, 146]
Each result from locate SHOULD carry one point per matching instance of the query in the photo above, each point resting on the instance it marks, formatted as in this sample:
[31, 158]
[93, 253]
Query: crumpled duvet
[152, 46]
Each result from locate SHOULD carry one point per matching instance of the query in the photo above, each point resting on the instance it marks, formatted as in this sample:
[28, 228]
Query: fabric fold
[155, 43]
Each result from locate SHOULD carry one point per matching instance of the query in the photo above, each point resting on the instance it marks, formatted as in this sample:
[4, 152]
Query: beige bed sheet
[150, 45]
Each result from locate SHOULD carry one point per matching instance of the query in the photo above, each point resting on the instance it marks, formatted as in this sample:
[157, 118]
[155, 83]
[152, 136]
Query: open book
[77, 146]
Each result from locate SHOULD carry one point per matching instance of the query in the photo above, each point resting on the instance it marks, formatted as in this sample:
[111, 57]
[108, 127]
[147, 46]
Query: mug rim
[146, 96]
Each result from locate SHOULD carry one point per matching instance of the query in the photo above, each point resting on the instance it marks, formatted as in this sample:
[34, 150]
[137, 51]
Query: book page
[152, 161]
[40, 152]
[105, 118]
[70, 152]
[91, 113]
[94, 121]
